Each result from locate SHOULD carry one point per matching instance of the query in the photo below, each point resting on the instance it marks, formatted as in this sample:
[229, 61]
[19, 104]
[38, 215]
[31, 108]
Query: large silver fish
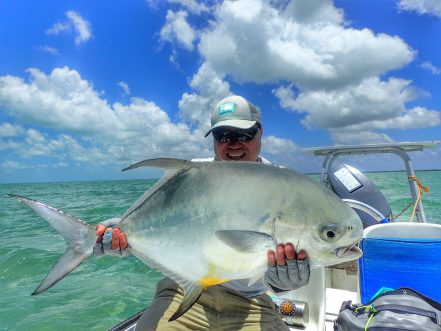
[205, 223]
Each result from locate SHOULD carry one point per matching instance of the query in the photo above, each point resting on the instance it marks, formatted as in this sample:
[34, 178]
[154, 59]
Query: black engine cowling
[360, 193]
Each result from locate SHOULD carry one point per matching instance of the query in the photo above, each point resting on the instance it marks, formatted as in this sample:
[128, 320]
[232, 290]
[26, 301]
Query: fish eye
[329, 233]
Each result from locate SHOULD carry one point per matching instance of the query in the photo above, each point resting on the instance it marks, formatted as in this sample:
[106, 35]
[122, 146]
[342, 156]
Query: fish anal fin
[192, 292]
[246, 241]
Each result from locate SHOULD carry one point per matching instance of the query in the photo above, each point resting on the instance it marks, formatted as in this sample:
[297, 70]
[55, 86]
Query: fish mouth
[348, 252]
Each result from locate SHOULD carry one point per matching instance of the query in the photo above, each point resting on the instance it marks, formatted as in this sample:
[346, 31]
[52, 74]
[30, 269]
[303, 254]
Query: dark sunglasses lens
[219, 135]
[226, 135]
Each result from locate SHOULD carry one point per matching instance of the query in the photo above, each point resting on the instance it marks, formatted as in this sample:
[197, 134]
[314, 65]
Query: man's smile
[236, 155]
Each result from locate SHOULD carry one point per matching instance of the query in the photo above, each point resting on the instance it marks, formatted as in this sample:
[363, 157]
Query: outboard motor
[360, 193]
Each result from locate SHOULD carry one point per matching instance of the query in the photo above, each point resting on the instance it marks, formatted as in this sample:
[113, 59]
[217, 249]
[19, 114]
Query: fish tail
[80, 238]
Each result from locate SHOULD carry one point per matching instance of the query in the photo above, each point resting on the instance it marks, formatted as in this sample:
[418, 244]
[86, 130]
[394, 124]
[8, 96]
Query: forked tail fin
[80, 238]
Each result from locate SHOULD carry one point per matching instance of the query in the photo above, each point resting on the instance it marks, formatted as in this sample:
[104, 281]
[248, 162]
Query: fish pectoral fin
[246, 241]
[192, 293]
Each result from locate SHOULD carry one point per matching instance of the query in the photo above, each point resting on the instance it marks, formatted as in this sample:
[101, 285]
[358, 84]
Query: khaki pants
[218, 308]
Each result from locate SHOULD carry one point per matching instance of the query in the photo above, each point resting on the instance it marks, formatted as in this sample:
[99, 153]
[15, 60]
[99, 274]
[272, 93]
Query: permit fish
[206, 223]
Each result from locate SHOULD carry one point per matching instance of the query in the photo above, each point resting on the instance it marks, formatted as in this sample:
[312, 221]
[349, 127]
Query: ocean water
[104, 291]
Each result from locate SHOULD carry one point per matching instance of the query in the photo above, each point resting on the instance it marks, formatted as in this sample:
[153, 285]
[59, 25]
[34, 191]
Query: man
[236, 128]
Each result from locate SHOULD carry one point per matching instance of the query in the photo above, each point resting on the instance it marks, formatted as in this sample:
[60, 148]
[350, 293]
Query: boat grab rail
[400, 149]
[368, 209]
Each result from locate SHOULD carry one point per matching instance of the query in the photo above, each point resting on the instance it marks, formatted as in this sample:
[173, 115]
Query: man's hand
[111, 240]
[287, 269]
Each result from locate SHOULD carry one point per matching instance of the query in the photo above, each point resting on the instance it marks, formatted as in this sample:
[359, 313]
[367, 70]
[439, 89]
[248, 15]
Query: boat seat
[400, 255]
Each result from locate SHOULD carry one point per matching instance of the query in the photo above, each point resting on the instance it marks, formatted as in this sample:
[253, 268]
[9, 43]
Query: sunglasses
[228, 134]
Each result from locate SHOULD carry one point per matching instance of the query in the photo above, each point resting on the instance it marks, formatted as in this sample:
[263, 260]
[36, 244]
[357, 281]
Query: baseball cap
[234, 111]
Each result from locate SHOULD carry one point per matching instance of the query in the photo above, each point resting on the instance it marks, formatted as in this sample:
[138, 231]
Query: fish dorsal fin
[168, 164]
[172, 167]
[246, 241]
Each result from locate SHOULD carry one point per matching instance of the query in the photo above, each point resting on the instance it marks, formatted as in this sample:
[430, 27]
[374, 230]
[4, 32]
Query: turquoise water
[103, 291]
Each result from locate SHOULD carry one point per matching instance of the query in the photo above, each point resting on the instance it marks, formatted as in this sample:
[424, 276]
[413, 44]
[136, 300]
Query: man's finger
[271, 258]
[122, 241]
[115, 238]
[290, 252]
[280, 254]
[302, 255]
[100, 229]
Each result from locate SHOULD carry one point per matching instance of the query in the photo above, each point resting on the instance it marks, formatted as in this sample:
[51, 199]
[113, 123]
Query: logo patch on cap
[227, 108]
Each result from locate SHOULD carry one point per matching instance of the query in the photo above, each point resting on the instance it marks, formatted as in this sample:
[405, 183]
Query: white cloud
[13, 165]
[430, 67]
[278, 146]
[191, 5]
[373, 104]
[48, 49]
[33, 143]
[414, 118]
[75, 24]
[9, 144]
[287, 153]
[307, 11]
[81, 27]
[430, 7]
[34, 136]
[354, 137]
[59, 100]
[209, 87]
[177, 30]
[10, 130]
[125, 87]
[252, 41]
[59, 27]
[335, 70]
[90, 129]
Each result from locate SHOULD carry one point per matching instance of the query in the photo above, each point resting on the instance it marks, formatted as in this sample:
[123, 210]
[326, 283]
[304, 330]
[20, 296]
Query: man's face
[237, 149]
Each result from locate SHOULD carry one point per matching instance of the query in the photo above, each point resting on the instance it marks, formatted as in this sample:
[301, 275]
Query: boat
[332, 286]
[316, 306]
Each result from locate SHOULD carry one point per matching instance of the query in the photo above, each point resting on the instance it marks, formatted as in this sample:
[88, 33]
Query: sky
[90, 87]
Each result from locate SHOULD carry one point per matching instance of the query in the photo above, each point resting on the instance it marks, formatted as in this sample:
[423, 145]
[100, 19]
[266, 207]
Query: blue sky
[89, 87]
